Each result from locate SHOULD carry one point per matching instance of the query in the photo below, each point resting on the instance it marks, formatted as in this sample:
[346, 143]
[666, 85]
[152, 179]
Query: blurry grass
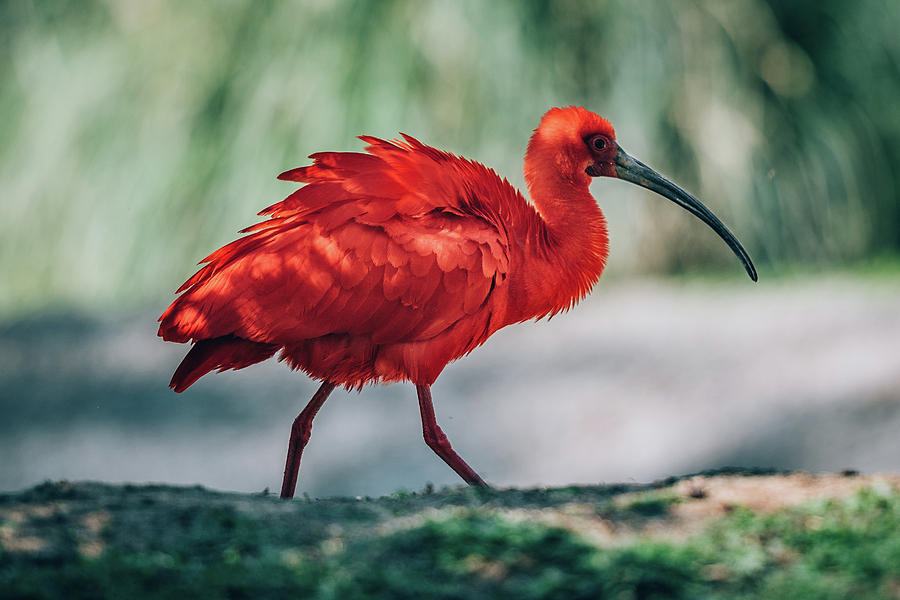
[652, 504]
[138, 136]
[477, 556]
[826, 549]
[879, 268]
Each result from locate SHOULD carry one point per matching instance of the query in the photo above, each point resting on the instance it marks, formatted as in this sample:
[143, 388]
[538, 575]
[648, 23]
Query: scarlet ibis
[389, 264]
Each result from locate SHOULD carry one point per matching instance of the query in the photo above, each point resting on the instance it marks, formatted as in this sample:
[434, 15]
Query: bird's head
[576, 142]
[580, 144]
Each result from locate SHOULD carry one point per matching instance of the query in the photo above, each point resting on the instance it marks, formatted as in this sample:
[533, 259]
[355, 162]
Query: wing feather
[399, 244]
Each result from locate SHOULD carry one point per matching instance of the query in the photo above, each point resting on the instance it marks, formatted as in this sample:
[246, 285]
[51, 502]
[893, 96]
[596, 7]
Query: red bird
[388, 265]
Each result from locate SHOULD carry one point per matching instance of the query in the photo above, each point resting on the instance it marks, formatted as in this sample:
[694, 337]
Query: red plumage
[384, 267]
[387, 265]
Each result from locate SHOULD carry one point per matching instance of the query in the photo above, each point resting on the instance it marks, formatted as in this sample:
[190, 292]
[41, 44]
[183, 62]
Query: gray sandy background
[643, 380]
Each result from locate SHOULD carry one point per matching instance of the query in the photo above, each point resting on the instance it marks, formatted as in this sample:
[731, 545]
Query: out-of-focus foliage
[137, 135]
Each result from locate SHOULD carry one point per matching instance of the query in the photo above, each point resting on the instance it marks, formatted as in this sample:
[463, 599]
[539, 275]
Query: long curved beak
[633, 170]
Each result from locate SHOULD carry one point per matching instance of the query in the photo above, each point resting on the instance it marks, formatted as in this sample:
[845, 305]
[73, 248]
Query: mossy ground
[675, 539]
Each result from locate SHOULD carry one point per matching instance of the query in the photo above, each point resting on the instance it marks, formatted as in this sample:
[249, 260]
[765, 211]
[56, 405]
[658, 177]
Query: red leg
[299, 436]
[438, 442]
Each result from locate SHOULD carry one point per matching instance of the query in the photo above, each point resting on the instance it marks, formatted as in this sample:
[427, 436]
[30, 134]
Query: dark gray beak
[635, 171]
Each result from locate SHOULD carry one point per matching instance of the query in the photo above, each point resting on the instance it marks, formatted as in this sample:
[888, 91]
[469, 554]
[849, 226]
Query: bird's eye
[598, 142]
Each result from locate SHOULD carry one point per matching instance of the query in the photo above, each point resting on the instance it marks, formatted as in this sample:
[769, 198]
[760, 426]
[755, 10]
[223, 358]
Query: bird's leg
[438, 442]
[299, 436]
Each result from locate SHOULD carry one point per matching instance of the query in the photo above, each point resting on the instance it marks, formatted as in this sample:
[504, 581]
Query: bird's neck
[567, 245]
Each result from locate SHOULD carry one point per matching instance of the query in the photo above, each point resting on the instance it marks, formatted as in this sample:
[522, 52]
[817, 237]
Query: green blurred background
[139, 135]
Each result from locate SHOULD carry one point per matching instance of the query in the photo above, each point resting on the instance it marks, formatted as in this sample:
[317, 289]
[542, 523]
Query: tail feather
[226, 352]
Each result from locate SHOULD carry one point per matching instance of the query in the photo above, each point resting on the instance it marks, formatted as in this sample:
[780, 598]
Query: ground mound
[723, 534]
